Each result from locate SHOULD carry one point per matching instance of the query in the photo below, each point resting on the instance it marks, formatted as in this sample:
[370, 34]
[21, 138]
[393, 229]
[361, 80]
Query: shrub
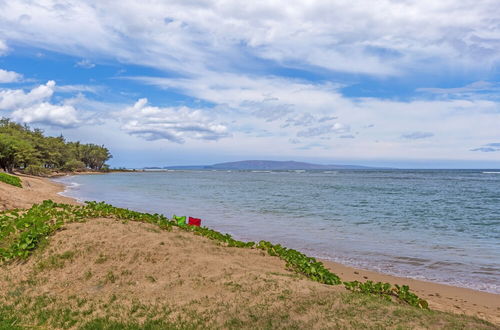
[37, 170]
[10, 179]
[73, 165]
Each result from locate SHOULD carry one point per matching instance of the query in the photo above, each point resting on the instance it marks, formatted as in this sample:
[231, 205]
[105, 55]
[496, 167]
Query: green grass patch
[324, 311]
[11, 179]
[55, 261]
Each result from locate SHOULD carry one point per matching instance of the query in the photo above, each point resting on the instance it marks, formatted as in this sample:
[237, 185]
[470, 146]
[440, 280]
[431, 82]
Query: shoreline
[441, 297]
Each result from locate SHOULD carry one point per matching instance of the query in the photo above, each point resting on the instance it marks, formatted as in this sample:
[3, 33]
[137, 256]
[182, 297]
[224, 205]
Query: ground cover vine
[11, 179]
[21, 231]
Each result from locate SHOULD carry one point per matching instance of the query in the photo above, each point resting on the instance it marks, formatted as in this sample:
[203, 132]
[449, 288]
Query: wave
[73, 185]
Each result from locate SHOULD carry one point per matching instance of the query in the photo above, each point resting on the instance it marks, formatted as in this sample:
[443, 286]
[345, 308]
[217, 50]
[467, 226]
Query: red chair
[194, 222]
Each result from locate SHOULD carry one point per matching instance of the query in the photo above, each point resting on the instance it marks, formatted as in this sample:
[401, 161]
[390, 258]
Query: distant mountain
[268, 165]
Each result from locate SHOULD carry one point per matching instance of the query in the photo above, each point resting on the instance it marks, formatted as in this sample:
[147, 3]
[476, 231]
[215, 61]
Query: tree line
[30, 151]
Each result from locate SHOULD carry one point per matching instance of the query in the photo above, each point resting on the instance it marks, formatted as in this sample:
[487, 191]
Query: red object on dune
[194, 222]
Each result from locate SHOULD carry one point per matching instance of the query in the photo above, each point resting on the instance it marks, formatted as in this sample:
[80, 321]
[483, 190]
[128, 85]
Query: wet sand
[440, 296]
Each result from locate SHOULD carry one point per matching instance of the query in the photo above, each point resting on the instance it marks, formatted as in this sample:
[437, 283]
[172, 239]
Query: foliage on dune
[22, 231]
[10, 179]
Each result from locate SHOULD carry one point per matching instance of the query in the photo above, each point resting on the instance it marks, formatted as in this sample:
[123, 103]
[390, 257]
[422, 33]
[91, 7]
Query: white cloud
[417, 135]
[378, 38]
[11, 99]
[48, 114]
[35, 106]
[318, 111]
[86, 64]
[214, 46]
[78, 88]
[9, 76]
[324, 130]
[175, 124]
[3, 47]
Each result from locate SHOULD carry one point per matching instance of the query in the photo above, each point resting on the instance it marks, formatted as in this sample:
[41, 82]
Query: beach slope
[107, 272]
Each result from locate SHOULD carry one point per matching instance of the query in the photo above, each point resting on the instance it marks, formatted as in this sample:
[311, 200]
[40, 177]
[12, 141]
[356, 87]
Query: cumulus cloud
[35, 106]
[11, 99]
[9, 76]
[417, 135]
[175, 124]
[48, 114]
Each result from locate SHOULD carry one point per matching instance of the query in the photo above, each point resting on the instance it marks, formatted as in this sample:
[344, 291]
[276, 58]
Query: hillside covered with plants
[159, 275]
[30, 151]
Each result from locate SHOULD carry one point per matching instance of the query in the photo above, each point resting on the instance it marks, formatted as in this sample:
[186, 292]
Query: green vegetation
[22, 231]
[278, 304]
[10, 179]
[30, 151]
[334, 311]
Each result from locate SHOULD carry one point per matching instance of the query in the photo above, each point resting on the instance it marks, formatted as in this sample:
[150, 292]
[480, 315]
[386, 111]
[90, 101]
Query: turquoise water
[442, 226]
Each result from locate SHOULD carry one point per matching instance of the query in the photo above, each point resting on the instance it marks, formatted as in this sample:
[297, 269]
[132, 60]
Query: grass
[332, 310]
[10, 179]
[23, 306]
[55, 261]
[25, 231]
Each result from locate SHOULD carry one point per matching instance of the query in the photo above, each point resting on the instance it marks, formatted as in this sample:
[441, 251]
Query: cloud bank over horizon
[362, 82]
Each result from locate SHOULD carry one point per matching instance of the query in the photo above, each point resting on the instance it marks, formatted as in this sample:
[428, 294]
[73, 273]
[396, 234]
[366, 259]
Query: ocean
[436, 225]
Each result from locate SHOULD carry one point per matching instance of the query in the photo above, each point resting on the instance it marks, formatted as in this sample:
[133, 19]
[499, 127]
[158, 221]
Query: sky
[409, 84]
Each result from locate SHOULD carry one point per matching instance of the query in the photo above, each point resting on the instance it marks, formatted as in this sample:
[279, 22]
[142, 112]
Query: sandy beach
[35, 190]
[440, 297]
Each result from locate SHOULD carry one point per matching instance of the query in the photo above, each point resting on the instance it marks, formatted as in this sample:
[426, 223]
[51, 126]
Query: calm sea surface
[442, 226]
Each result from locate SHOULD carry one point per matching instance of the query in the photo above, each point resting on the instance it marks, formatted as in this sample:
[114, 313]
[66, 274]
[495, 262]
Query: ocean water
[442, 225]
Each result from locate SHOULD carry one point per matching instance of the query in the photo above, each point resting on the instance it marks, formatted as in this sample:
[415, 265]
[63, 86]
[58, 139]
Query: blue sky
[388, 83]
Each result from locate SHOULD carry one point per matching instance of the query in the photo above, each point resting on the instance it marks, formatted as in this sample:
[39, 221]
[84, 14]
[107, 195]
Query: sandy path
[440, 297]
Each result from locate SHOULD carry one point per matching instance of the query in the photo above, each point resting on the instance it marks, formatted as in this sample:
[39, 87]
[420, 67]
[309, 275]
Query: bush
[73, 165]
[10, 179]
[37, 170]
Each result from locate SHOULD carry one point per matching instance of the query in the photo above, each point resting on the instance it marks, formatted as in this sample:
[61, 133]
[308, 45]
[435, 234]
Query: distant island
[265, 165]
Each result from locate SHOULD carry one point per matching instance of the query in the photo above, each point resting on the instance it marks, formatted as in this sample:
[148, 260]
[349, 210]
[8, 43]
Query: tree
[21, 147]
[7, 152]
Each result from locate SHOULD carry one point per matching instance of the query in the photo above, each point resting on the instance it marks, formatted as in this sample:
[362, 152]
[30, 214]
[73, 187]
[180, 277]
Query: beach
[440, 297]
[35, 190]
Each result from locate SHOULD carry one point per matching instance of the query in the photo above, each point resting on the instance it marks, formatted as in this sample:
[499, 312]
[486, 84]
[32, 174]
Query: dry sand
[235, 266]
[35, 190]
